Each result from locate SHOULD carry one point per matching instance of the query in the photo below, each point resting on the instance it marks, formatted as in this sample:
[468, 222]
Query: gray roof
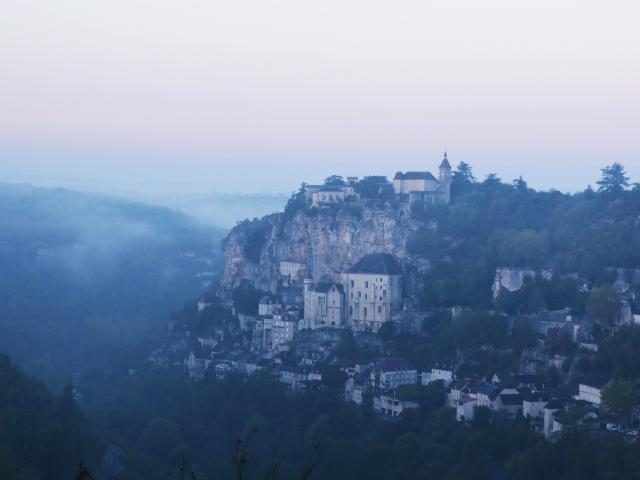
[324, 287]
[445, 162]
[377, 263]
[393, 364]
[414, 176]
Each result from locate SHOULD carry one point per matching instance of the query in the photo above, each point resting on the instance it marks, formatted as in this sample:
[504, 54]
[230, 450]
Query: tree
[334, 180]
[492, 181]
[619, 397]
[375, 188]
[387, 331]
[520, 184]
[614, 179]
[603, 305]
[463, 174]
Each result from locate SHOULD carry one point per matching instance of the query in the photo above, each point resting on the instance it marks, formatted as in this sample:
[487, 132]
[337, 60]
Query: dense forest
[491, 224]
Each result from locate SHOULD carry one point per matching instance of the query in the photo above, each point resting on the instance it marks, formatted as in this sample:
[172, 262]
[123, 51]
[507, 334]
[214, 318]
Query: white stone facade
[323, 305]
[590, 394]
[371, 299]
[291, 269]
[423, 186]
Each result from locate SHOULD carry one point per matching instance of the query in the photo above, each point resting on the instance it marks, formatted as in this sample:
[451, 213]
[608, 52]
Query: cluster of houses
[548, 408]
[419, 186]
[380, 380]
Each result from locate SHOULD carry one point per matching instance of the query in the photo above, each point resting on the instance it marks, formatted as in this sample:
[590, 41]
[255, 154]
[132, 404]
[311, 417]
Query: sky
[258, 96]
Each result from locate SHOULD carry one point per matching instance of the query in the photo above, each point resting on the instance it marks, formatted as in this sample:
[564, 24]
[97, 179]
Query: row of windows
[366, 282]
[365, 311]
[366, 295]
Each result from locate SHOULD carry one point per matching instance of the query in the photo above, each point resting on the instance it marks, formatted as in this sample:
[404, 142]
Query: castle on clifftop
[423, 186]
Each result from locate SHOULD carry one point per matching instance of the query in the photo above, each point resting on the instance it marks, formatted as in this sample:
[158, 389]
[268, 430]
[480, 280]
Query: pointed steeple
[445, 163]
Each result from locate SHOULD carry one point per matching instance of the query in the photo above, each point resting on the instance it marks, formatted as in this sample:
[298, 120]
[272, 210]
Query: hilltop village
[367, 285]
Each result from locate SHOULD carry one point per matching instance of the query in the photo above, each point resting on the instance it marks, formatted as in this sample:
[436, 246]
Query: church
[423, 186]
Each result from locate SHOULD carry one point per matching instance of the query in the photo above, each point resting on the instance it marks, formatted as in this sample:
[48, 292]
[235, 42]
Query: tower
[445, 178]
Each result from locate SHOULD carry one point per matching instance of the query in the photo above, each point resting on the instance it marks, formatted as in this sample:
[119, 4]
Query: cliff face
[327, 241]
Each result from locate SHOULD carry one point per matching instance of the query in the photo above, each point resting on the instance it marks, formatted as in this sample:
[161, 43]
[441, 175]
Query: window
[364, 312]
[353, 283]
[350, 311]
[379, 309]
[366, 284]
[359, 294]
[366, 296]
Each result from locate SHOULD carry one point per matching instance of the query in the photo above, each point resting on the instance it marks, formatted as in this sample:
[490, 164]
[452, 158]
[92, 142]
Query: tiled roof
[393, 364]
[382, 263]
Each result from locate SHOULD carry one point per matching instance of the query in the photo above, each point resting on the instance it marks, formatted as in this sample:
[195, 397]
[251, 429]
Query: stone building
[291, 269]
[423, 186]
[319, 195]
[323, 305]
[389, 373]
[268, 305]
[373, 291]
[278, 329]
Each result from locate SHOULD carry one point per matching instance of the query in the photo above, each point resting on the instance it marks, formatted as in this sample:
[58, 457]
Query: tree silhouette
[614, 179]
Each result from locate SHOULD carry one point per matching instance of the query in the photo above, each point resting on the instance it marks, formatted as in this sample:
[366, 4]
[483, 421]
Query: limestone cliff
[326, 241]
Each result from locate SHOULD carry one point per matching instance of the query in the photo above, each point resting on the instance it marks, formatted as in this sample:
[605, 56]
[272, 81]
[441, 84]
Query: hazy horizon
[242, 97]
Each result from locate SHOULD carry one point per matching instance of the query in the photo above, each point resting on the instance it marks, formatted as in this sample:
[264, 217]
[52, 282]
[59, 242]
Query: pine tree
[614, 179]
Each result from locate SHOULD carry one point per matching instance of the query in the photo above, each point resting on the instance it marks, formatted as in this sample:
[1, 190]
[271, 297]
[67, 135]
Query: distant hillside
[85, 278]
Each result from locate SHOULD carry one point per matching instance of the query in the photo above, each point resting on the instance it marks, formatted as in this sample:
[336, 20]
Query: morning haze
[259, 96]
[319, 240]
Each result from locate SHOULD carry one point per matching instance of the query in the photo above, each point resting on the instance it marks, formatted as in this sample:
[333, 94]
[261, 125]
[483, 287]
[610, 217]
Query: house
[458, 390]
[267, 305]
[423, 186]
[198, 360]
[508, 401]
[533, 405]
[551, 425]
[278, 329]
[437, 374]
[298, 379]
[485, 394]
[590, 390]
[465, 408]
[324, 195]
[292, 269]
[323, 305]
[373, 291]
[354, 391]
[390, 405]
[390, 373]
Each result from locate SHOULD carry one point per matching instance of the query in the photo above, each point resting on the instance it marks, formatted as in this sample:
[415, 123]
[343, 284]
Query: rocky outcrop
[326, 240]
[511, 279]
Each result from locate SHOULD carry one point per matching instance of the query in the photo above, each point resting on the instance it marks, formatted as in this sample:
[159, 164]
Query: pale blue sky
[261, 95]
